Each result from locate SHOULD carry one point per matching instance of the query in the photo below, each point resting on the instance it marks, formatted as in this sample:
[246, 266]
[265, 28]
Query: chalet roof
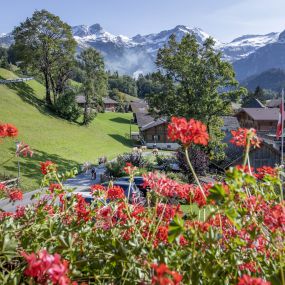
[144, 119]
[232, 152]
[262, 114]
[107, 100]
[254, 103]
[80, 99]
[274, 103]
[230, 123]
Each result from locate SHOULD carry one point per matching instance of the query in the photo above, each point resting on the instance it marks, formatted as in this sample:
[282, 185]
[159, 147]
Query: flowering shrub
[233, 234]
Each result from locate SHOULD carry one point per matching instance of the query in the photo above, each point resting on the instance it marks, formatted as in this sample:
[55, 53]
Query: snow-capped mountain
[244, 46]
[135, 55]
[86, 35]
[6, 40]
[269, 56]
[131, 55]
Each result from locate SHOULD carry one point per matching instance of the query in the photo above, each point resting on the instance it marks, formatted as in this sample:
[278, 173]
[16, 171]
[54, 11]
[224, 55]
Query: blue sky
[223, 19]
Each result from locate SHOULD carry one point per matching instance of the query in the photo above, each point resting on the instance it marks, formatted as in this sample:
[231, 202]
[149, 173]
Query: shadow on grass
[120, 120]
[30, 166]
[27, 94]
[121, 139]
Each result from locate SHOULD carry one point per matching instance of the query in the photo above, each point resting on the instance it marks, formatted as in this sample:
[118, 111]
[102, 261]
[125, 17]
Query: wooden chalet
[110, 105]
[268, 154]
[262, 119]
[152, 132]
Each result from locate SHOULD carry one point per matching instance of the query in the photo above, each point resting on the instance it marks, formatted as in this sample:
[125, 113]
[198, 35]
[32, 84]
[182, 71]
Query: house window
[156, 138]
[168, 146]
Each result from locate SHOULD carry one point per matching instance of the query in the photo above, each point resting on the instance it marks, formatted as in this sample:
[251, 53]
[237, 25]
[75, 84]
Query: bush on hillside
[66, 106]
[116, 168]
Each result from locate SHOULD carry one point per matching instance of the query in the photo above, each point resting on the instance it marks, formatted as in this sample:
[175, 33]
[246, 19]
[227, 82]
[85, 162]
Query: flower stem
[193, 172]
[247, 148]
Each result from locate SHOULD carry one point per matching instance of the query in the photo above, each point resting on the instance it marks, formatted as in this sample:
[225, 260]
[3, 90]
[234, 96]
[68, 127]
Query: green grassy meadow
[51, 138]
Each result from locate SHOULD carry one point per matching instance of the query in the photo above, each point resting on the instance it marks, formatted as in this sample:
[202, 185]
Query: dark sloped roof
[254, 103]
[107, 100]
[144, 119]
[262, 114]
[232, 152]
[80, 99]
[230, 123]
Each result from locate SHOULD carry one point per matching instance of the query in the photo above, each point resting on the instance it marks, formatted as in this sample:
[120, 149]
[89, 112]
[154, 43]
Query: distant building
[80, 100]
[274, 103]
[269, 151]
[262, 119]
[230, 123]
[152, 132]
[268, 154]
[110, 105]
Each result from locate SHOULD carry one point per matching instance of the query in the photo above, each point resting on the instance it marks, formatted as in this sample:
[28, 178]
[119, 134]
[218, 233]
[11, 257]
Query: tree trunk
[86, 106]
[48, 97]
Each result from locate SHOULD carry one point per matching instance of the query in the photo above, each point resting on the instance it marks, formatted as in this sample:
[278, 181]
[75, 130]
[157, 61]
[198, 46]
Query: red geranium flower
[45, 268]
[8, 130]
[2, 186]
[54, 186]
[164, 276]
[275, 217]
[245, 169]
[15, 195]
[266, 170]
[129, 168]
[115, 192]
[47, 167]
[3, 130]
[241, 136]
[24, 149]
[188, 132]
[247, 280]
[82, 209]
[97, 188]
[20, 212]
[11, 130]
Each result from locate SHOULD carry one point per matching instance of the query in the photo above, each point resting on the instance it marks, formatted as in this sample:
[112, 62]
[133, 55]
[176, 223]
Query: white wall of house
[172, 146]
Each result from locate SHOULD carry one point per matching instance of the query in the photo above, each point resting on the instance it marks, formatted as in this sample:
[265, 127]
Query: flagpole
[282, 128]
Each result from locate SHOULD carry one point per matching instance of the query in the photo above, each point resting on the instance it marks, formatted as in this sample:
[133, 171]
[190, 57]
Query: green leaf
[217, 193]
[176, 228]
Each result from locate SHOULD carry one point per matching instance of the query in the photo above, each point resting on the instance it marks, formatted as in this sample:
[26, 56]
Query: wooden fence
[17, 80]
[11, 183]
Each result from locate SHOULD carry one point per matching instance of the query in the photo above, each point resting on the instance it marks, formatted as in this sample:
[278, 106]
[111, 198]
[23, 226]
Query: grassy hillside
[52, 138]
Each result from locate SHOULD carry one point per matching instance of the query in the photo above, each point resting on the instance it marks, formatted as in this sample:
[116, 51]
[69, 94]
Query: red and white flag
[279, 131]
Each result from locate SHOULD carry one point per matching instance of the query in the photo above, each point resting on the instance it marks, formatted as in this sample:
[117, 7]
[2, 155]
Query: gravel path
[81, 182]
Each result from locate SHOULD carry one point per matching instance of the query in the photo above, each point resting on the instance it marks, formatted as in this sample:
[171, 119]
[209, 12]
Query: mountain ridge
[137, 54]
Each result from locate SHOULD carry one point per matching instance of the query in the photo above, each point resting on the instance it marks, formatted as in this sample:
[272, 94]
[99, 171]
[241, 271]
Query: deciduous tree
[94, 81]
[195, 83]
[44, 44]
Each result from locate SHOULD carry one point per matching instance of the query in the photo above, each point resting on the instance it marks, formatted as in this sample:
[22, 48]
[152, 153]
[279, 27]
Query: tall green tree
[123, 83]
[94, 81]
[44, 44]
[195, 83]
[4, 58]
